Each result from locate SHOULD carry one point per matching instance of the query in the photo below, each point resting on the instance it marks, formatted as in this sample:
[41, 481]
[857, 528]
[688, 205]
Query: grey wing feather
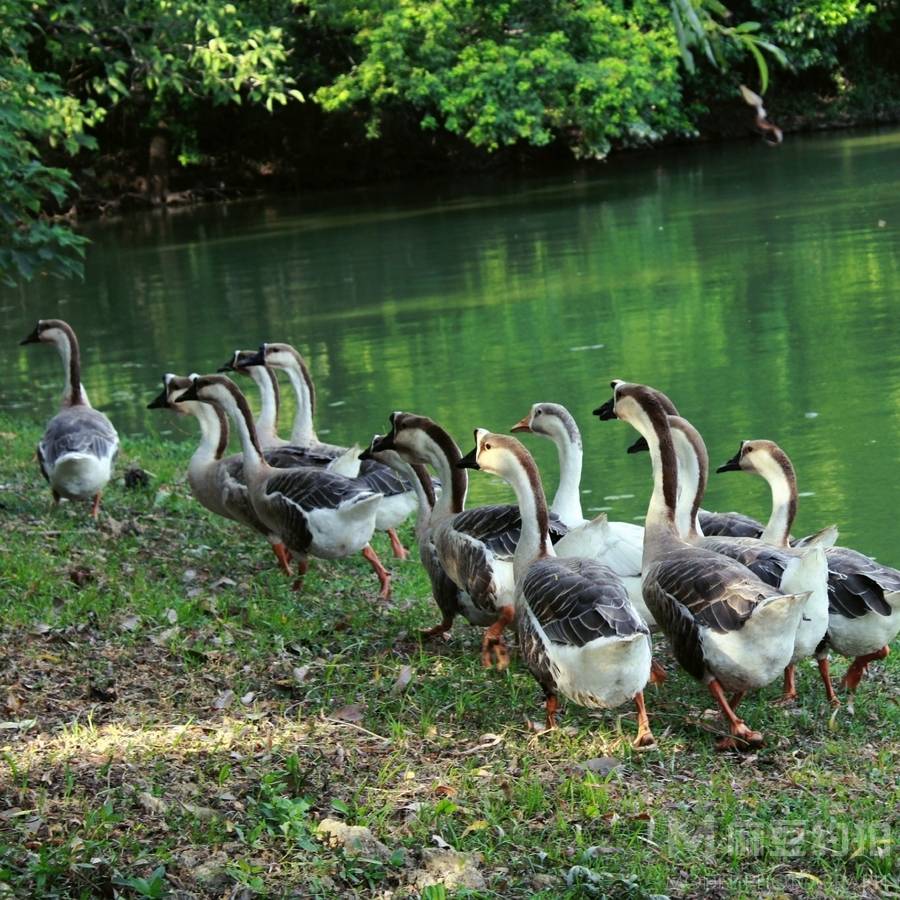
[472, 562]
[499, 527]
[78, 429]
[235, 494]
[577, 601]
[312, 489]
[767, 563]
[729, 524]
[857, 584]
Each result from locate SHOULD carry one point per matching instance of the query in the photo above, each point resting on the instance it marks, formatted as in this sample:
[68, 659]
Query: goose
[771, 133]
[399, 497]
[217, 481]
[771, 558]
[474, 547]
[577, 632]
[729, 524]
[863, 595]
[79, 446]
[616, 544]
[313, 512]
[727, 628]
[448, 597]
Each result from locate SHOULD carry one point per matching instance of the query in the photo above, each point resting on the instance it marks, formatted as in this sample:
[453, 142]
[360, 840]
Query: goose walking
[79, 446]
[399, 496]
[313, 512]
[863, 595]
[727, 628]
[474, 547]
[216, 481]
[771, 558]
[577, 632]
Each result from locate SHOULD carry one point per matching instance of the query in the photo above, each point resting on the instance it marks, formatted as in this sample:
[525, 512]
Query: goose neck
[567, 500]
[267, 420]
[440, 452]
[693, 471]
[779, 473]
[534, 539]
[303, 433]
[213, 434]
[239, 413]
[74, 393]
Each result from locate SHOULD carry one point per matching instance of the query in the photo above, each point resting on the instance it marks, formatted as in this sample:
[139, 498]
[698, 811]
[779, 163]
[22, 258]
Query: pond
[756, 286]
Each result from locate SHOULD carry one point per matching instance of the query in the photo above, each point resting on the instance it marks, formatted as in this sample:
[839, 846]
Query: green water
[756, 286]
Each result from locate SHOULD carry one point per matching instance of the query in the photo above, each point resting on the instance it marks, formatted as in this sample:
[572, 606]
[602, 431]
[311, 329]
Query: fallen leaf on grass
[477, 825]
[402, 682]
[247, 699]
[41, 628]
[155, 805]
[171, 616]
[80, 576]
[130, 623]
[163, 637]
[300, 673]
[601, 765]
[440, 843]
[204, 813]
[21, 725]
[352, 713]
[445, 790]
[224, 700]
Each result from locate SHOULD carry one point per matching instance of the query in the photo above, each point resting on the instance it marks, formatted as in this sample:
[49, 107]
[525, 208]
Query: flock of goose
[739, 602]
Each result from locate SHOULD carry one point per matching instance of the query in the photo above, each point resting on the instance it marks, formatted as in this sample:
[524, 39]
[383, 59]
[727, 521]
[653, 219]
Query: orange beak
[522, 425]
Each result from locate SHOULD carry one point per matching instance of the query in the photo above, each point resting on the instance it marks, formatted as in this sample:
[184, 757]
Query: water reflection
[755, 285]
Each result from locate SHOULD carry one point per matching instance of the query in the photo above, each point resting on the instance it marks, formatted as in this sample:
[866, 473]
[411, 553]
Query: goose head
[550, 420]
[279, 355]
[605, 412]
[387, 455]
[497, 454]
[763, 458]
[417, 439]
[173, 388]
[50, 331]
[239, 362]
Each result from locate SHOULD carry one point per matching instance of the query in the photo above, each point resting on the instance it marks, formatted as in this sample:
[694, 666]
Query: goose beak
[524, 424]
[227, 366]
[469, 461]
[639, 446]
[607, 411]
[733, 464]
[384, 442]
[189, 394]
[366, 454]
[258, 359]
[33, 338]
[160, 402]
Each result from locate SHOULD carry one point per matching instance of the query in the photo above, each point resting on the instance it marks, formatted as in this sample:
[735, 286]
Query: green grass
[125, 764]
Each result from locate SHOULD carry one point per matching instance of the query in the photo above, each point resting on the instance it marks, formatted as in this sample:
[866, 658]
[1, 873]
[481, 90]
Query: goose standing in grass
[474, 547]
[450, 600]
[399, 496]
[863, 595]
[728, 524]
[727, 628]
[217, 482]
[78, 449]
[779, 565]
[313, 512]
[578, 634]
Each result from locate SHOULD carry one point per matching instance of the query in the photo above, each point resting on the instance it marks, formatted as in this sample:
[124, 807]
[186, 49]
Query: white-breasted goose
[314, 512]
[728, 524]
[727, 628]
[577, 632]
[863, 595]
[787, 568]
[217, 481]
[79, 446]
[399, 495]
[475, 547]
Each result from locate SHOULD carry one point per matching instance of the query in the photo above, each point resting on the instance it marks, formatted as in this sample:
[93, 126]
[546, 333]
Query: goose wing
[729, 524]
[857, 584]
[78, 429]
[765, 562]
[498, 527]
[577, 601]
[291, 457]
[308, 489]
[234, 492]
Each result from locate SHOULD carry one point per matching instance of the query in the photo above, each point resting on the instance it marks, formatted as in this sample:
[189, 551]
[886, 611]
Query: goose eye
[538, 412]
[487, 446]
[748, 450]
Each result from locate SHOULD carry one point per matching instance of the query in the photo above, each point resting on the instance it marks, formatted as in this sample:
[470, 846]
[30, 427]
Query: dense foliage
[332, 78]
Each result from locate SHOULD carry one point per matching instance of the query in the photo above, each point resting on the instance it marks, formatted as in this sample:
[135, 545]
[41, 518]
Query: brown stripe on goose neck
[696, 441]
[568, 421]
[665, 402]
[223, 430]
[526, 460]
[649, 401]
[276, 390]
[787, 467]
[241, 402]
[426, 482]
[74, 398]
[459, 478]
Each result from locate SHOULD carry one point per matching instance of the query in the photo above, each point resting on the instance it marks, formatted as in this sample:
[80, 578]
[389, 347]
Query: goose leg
[858, 668]
[741, 736]
[56, 498]
[552, 705]
[95, 506]
[645, 735]
[826, 680]
[443, 627]
[658, 674]
[493, 647]
[789, 694]
[400, 552]
[281, 554]
[384, 577]
[302, 569]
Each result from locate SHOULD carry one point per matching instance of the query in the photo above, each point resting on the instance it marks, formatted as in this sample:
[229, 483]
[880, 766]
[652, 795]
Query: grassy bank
[176, 719]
